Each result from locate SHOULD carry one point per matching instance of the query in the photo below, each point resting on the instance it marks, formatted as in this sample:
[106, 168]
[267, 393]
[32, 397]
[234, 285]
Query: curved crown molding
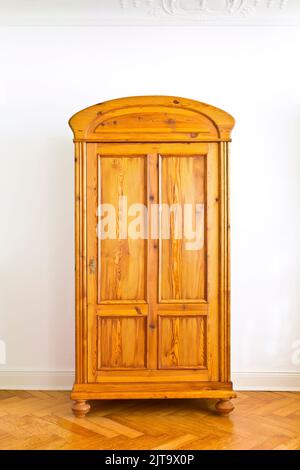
[149, 12]
[151, 118]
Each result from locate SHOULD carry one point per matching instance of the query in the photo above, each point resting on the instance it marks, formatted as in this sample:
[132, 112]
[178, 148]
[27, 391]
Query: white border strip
[36, 380]
[63, 380]
[267, 381]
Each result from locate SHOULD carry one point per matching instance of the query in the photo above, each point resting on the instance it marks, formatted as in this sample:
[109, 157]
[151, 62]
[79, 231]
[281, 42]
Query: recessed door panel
[121, 342]
[183, 231]
[182, 342]
[122, 259]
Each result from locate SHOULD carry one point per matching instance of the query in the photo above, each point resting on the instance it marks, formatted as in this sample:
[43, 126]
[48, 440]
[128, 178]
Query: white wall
[46, 75]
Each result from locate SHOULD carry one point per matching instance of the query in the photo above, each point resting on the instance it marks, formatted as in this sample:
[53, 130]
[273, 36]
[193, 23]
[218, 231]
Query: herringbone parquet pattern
[43, 420]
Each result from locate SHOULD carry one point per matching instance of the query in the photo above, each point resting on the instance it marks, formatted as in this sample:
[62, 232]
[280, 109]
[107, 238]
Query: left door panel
[117, 192]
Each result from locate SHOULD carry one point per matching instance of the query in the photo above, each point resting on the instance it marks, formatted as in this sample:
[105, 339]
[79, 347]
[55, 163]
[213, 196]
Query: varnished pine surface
[165, 117]
[153, 306]
[184, 145]
[43, 420]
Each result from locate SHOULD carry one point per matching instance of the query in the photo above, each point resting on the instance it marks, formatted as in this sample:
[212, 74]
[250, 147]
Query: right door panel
[187, 307]
[183, 260]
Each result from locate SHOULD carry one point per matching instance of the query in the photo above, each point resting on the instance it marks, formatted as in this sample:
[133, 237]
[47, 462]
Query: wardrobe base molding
[126, 390]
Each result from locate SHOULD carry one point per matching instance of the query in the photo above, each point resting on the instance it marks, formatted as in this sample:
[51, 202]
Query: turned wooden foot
[80, 408]
[224, 407]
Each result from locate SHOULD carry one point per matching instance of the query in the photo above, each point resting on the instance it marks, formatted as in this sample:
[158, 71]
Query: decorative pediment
[151, 118]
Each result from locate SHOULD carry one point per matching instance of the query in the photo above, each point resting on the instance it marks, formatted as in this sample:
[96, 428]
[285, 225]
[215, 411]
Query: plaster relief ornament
[203, 9]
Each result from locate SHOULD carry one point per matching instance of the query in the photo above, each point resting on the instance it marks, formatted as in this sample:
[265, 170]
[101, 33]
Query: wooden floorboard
[43, 420]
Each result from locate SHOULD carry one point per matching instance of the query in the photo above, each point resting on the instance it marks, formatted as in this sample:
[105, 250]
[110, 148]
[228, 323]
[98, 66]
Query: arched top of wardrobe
[152, 119]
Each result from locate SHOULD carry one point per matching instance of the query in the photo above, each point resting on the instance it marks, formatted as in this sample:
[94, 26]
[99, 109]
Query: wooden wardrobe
[152, 315]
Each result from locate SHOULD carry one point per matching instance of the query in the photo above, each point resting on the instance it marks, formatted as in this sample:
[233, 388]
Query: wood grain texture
[152, 118]
[43, 420]
[183, 342]
[183, 271]
[121, 342]
[157, 118]
[122, 263]
[91, 220]
[224, 305]
[80, 408]
[167, 383]
[224, 407]
[112, 335]
[153, 245]
[80, 263]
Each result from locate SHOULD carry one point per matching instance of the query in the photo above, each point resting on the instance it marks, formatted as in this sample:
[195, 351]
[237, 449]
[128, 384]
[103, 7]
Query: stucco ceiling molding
[227, 11]
[149, 12]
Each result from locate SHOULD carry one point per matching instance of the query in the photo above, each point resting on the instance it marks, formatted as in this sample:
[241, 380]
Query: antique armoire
[152, 309]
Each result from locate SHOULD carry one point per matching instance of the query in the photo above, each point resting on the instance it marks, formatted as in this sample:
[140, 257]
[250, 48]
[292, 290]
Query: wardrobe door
[117, 278]
[188, 280]
[152, 280]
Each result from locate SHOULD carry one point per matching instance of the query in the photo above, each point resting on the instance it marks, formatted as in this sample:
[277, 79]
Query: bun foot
[224, 407]
[80, 408]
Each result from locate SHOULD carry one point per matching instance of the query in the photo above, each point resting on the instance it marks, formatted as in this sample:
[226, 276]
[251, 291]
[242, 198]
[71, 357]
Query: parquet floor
[43, 420]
